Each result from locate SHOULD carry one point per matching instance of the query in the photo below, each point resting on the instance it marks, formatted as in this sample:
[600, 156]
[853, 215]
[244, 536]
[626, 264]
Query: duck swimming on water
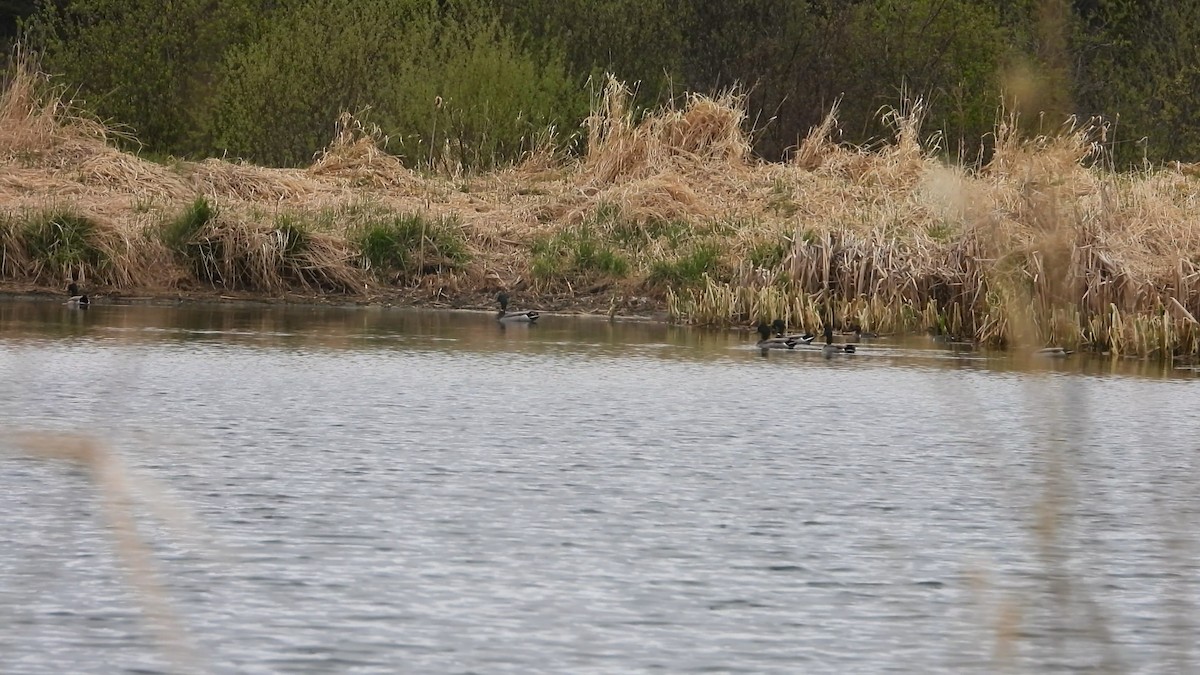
[767, 341]
[830, 348]
[1054, 352]
[799, 338]
[504, 316]
[76, 298]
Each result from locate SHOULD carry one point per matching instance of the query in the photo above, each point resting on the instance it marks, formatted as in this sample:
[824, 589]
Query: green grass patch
[12, 248]
[769, 254]
[183, 235]
[781, 198]
[809, 237]
[182, 232]
[689, 269]
[143, 204]
[671, 233]
[577, 253]
[412, 244]
[60, 242]
[941, 232]
[609, 223]
[293, 236]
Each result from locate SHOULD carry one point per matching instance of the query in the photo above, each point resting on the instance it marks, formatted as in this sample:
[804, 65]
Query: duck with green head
[504, 316]
[830, 348]
[781, 329]
[75, 298]
[767, 341]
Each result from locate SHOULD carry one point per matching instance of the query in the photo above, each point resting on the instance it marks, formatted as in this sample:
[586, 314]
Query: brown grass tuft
[39, 125]
[623, 147]
[819, 143]
[356, 155]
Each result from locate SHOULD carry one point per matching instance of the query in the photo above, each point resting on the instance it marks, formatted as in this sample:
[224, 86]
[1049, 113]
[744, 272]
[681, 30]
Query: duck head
[764, 331]
[72, 289]
[502, 298]
[779, 326]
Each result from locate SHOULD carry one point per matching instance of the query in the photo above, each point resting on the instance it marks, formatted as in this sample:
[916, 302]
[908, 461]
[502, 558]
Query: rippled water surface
[380, 490]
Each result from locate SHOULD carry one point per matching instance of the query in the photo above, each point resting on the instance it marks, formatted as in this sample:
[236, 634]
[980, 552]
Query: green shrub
[450, 85]
[411, 244]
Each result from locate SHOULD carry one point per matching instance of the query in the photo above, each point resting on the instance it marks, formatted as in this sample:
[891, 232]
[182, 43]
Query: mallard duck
[76, 298]
[799, 338]
[767, 341]
[1054, 352]
[943, 338]
[504, 316]
[857, 331]
[830, 348]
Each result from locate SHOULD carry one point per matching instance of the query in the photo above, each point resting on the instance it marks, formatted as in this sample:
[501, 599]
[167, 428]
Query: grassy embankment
[664, 212]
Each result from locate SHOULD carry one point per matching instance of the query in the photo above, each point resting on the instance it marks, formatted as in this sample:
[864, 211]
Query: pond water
[321, 490]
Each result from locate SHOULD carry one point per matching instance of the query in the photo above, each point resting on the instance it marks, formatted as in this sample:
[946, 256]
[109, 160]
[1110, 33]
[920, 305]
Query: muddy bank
[634, 309]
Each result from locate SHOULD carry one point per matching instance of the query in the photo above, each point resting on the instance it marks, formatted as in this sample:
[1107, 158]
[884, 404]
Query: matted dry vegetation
[667, 210]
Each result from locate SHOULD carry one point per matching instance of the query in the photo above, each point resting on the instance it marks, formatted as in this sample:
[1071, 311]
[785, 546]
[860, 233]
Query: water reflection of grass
[1063, 610]
[357, 328]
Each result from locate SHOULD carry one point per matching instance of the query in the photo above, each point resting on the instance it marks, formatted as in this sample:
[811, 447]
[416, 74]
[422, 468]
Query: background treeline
[477, 82]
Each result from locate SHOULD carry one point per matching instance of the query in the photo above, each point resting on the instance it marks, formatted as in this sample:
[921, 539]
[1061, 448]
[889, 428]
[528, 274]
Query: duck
[857, 331]
[830, 348]
[800, 338]
[76, 298]
[943, 338]
[1054, 352]
[504, 316]
[767, 341]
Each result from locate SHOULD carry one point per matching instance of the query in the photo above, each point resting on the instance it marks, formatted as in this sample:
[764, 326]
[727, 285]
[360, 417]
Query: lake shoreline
[591, 306]
[666, 216]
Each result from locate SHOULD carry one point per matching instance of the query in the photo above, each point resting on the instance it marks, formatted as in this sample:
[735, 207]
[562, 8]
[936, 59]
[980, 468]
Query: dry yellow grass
[1038, 246]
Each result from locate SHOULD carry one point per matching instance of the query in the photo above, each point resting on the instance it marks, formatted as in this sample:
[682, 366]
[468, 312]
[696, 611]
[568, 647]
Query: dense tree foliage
[1140, 66]
[145, 63]
[476, 80]
[433, 78]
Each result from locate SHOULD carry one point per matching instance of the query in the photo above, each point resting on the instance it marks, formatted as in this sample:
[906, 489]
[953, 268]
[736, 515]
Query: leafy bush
[411, 244]
[444, 87]
[141, 63]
